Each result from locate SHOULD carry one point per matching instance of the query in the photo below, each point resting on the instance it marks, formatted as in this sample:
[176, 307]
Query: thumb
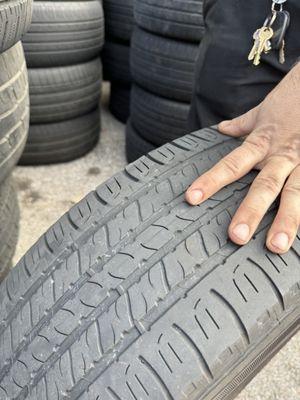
[240, 126]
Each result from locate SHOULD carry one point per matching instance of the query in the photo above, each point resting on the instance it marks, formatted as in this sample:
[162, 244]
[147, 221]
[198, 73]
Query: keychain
[271, 36]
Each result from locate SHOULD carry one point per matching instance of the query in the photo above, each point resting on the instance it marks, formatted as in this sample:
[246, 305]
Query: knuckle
[252, 210]
[260, 143]
[270, 183]
[293, 189]
[231, 165]
[240, 123]
[291, 221]
[290, 152]
[212, 179]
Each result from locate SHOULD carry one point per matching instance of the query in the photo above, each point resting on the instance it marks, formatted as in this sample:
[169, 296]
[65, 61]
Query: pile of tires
[15, 17]
[62, 50]
[164, 50]
[119, 23]
[133, 294]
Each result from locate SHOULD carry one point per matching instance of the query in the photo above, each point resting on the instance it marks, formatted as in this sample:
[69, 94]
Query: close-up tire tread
[134, 293]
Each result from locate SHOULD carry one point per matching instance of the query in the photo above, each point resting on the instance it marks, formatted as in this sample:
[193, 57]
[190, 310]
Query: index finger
[231, 168]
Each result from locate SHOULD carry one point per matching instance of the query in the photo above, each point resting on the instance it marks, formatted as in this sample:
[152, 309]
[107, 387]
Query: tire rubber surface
[135, 294]
[163, 66]
[61, 93]
[119, 21]
[62, 141]
[9, 225]
[159, 120]
[15, 19]
[14, 108]
[179, 19]
[119, 102]
[116, 62]
[136, 145]
[64, 33]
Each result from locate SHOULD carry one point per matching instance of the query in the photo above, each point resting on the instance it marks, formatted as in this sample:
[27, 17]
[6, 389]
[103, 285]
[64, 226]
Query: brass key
[255, 46]
[264, 36]
[282, 53]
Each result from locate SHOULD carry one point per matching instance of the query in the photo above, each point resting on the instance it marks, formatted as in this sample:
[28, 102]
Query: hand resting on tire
[272, 145]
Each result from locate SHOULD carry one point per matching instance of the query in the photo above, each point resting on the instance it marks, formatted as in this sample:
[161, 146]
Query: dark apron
[227, 84]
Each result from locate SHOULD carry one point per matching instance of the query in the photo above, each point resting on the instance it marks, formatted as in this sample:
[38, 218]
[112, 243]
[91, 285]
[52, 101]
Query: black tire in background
[157, 119]
[178, 19]
[119, 21]
[14, 108]
[163, 66]
[61, 93]
[119, 102]
[136, 145]
[135, 294]
[9, 225]
[15, 19]
[62, 141]
[64, 32]
[116, 62]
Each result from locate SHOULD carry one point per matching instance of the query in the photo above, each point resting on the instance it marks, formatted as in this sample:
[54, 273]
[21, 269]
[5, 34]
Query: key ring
[274, 7]
[273, 19]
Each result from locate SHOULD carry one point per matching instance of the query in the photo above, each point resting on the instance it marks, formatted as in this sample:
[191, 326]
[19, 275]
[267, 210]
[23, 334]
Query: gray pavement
[46, 192]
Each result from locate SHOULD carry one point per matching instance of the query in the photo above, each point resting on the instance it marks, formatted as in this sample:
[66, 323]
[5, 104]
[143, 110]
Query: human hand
[272, 145]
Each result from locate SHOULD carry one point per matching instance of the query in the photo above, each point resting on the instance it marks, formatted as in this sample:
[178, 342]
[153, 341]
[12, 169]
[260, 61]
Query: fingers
[263, 192]
[240, 126]
[286, 224]
[231, 168]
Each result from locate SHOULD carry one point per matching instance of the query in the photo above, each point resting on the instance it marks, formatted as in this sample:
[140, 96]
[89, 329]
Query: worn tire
[136, 145]
[135, 294]
[14, 108]
[62, 141]
[159, 120]
[116, 62]
[61, 93]
[179, 19]
[163, 66]
[119, 21]
[64, 33]
[15, 19]
[9, 225]
[119, 102]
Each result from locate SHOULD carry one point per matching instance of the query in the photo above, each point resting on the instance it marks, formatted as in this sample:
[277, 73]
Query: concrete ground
[45, 193]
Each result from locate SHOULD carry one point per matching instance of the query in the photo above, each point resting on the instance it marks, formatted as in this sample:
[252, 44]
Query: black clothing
[227, 84]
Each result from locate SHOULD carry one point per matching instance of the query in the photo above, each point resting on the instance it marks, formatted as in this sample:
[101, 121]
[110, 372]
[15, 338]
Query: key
[268, 47]
[255, 46]
[282, 53]
[272, 35]
[264, 35]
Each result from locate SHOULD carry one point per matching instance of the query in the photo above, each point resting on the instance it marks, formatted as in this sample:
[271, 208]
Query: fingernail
[281, 241]
[195, 196]
[242, 232]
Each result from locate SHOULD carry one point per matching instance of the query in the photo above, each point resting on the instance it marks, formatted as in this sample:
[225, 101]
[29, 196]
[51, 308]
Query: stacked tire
[119, 24]
[62, 51]
[15, 17]
[164, 50]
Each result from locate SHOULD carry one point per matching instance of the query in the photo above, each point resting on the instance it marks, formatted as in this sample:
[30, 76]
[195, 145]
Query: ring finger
[286, 224]
[263, 192]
